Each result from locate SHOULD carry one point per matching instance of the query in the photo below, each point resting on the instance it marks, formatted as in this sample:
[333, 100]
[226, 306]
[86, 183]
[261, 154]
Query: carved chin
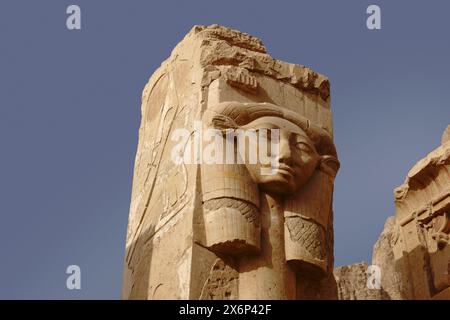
[279, 184]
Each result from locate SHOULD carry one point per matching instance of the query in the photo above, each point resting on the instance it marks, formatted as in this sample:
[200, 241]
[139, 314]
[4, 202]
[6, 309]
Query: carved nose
[285, 155]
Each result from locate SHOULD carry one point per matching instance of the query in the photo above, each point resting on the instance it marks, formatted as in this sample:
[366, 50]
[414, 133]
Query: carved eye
[303, 146]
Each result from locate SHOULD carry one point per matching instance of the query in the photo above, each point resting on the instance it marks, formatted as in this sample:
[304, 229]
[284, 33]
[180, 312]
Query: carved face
[297, 157]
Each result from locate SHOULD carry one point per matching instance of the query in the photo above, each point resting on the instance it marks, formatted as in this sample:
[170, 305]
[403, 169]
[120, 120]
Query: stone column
[207, 231]
[267, 276]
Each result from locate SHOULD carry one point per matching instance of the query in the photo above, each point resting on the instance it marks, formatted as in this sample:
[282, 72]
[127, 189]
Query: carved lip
[284, 169]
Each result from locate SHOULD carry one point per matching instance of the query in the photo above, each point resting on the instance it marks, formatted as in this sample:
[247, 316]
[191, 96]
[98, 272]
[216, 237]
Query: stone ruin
[413, 251]
[202, 230]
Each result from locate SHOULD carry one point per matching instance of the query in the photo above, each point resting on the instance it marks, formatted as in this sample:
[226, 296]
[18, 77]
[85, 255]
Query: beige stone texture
[352, 283]
[224, 231]
[421, 244]
[383, 256]
[413, 251]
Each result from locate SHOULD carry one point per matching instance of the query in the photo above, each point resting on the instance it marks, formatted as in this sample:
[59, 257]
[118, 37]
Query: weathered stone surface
[352, 280]
[352, 283]
[383, 257]
[413, 251]
[421, 243]
[222, 283]
[227, 231]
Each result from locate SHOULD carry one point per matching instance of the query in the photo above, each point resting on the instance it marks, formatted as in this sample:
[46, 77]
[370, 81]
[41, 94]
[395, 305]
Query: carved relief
[437, 229]
[304, 180]
[421, 246]
[240, 78]
[274, 226]
[221, 283]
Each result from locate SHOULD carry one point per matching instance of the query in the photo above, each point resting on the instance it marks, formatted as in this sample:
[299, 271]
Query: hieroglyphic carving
[221, 283]
[166, 100]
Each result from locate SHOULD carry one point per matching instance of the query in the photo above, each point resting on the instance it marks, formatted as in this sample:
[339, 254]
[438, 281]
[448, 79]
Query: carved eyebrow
[267, 126]
[300, 139]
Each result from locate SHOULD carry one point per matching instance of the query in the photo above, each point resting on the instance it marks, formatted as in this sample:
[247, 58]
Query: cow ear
[329, 164]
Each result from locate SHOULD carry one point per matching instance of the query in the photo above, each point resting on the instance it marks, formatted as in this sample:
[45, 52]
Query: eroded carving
[278, 227]
[221, 283]
[421, 245]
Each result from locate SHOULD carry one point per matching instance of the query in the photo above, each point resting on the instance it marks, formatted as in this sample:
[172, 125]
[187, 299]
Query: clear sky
[70, 112]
